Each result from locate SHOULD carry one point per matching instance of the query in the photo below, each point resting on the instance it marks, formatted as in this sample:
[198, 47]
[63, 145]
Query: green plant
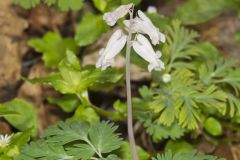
[197, 91]
[184, 156]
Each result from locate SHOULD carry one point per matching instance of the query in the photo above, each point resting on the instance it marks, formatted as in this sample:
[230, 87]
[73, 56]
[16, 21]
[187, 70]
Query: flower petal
[114, 46]
[142, 24]
[112, 17]
[144, 49]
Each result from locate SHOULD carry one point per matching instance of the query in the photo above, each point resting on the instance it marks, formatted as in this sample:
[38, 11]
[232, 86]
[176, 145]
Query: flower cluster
[140, 25]
[4, 140]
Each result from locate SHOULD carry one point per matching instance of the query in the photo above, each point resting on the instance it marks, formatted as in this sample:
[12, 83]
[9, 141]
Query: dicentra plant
[194, 89]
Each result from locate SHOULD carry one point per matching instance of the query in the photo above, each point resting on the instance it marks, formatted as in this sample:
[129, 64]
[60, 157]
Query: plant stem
[128, 85]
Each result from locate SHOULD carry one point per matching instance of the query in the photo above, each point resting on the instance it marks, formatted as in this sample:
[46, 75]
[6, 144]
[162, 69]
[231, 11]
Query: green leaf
[103, 138]
[4, 110]
[96, 139]
[168, 155]
[101, 5]
[26, 117]
[179, 146]
[237, 37]
[199, 11]
[106, 5]
[180, 47]
[86, 114]
[136, 2]
[121, 108]
[18, 140]
[27, 3]
[53, 47]
[110, 157]
[146, 92]
[125, 149]
[81, 151]
[44, 150]
[160, 132]
[67, 102]
[65, 5]
[73, 80]
[213, 126]
[87, 32]
[184, 102]
[233, 104]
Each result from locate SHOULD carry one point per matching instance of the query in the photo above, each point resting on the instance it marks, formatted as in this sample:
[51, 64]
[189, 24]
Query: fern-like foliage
[168, 155]
[221, 72]
[143, 113]
[183, 98]
[160, 132]
[180, 46]
[75, 141]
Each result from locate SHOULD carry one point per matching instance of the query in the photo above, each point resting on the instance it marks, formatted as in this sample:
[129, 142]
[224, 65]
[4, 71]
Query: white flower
[166, 78]
[4, 140]
[144, 49]
[151, 9]
[114, 46]
[112, 17]
[142, 24]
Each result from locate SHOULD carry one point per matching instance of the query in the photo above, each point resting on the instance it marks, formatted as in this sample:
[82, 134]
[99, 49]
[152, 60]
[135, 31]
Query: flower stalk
[141, 25]
[129, 96]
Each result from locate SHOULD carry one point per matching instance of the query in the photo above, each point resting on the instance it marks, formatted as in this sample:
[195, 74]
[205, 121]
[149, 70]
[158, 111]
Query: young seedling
[138, 26]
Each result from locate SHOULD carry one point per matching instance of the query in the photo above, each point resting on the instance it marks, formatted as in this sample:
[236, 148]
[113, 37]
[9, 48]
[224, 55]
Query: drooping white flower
[166, 78]
[142, 24]
[114, 46]
[151, 9]
[144, 49]
[4, 140]
[112, 17]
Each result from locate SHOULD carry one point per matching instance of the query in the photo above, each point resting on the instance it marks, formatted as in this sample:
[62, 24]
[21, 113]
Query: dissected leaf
[103, 138]
[43, 150]
[89, 140]
[168, 155]
[183, 102]
[180, 46]
[160, 132]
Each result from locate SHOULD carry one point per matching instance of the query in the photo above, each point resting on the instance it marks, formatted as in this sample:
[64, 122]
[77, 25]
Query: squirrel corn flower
[4, 140]
[112, 17]
[144, 49]
[114, 46]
